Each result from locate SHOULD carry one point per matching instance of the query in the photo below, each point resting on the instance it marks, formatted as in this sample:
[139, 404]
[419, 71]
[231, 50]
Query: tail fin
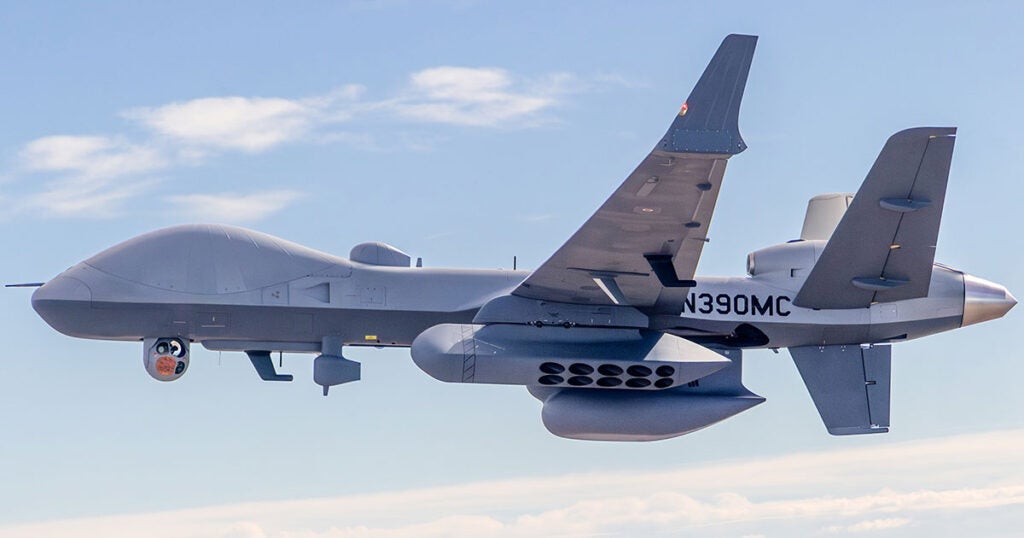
[884, 246]
[708, 120]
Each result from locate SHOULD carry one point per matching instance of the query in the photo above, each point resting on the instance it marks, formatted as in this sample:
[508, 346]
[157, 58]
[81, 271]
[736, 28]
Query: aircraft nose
[984, 300]
[55, 298]
[62, 288]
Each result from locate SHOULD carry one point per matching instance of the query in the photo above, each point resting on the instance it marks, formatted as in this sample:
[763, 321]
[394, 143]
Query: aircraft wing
[884, 246]
[642, 246]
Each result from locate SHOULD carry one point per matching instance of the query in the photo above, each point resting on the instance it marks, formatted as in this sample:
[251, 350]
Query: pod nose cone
[984, 300]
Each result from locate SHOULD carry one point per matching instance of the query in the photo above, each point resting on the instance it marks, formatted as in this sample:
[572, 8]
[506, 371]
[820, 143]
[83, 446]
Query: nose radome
[53, 298]
[984, 300]
[65, 303]
[63, 288]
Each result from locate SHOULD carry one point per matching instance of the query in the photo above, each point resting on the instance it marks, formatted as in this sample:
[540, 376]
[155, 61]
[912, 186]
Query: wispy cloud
[91, 175]
[535, 218]
[872, 525]
[98, 175]
[85, 197]
[480, 97]
[90, 156]
[231, 207]
[249, 124]
[923, 486]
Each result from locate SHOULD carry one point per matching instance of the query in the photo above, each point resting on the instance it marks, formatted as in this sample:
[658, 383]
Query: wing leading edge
[642, 245]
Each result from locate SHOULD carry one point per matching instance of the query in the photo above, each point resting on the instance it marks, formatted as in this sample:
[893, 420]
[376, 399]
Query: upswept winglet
[708, 122]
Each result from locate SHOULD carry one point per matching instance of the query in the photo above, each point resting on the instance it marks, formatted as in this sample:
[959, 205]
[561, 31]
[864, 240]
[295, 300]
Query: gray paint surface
[664, 207]
[850, 385]
[602, 303]
[884, 246]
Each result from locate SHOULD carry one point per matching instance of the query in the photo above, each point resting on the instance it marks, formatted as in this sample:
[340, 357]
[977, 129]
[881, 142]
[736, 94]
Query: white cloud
[244, 529]
[871, 525]
[231, 207]
[101, 175]
[79, 197]
[481, 97]
[95, 174]
[90, 156]
[249, 124]
[956, 482]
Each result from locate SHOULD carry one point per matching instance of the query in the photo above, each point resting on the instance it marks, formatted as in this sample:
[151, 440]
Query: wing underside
[643, 244]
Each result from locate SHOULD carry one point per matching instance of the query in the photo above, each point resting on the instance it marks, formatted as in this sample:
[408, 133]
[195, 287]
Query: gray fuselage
[234, 289]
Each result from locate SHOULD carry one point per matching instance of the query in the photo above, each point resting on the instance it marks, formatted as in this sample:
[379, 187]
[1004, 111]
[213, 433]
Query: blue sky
[468, 133]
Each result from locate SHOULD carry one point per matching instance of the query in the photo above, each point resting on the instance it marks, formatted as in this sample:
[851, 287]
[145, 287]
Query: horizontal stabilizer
[884, 246]
[849, 386]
